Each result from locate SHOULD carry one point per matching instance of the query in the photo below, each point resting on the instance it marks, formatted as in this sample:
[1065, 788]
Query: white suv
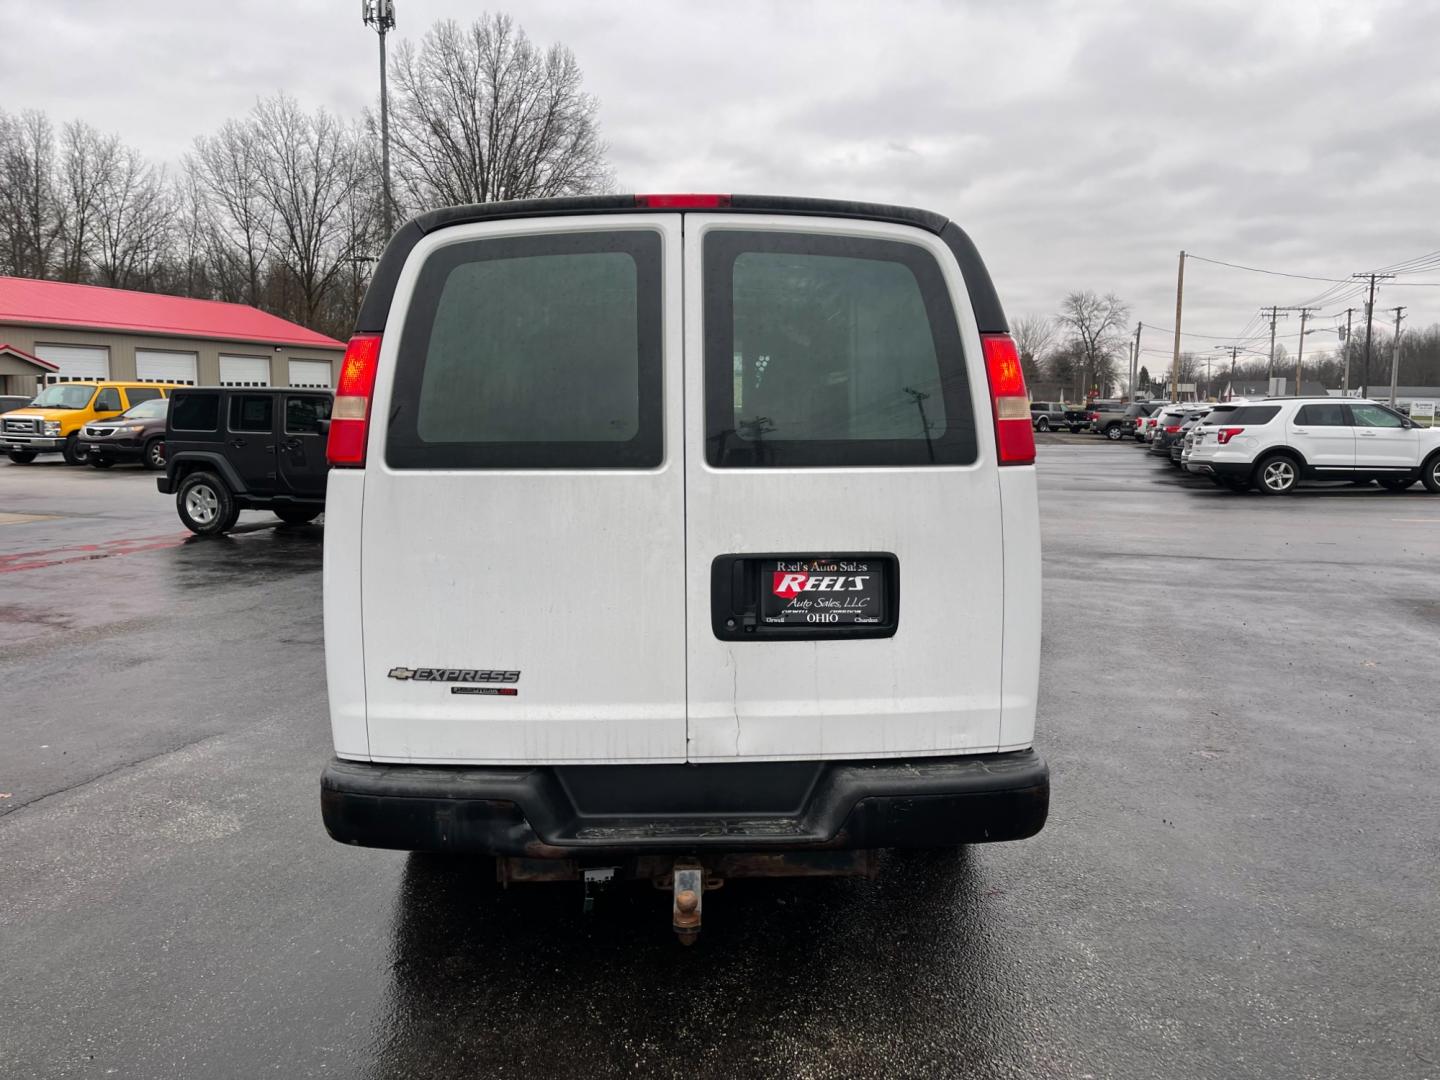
[678, 535]
[1275, 443]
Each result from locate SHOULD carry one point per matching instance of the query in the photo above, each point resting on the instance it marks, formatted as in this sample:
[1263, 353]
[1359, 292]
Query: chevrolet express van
[681, 538]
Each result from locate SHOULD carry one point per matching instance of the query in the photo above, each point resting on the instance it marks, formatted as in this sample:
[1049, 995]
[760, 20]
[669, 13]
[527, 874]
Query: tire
[205, 504]
[21, 457]
[72, 452]
[1430, 474]
[1277, 474]
[99, 462]
[1043, 424]
[1114, 433]
[153, 457]
[1074, 429]
[296, 515]
[1396, 483]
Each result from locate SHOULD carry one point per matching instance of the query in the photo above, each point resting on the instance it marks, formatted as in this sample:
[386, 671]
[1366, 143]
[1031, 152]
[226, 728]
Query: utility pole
[1369, 320]
[1135, 364]
[1234, 349]
[1270, 368]
[381, 15]
[1179, 306]
[1300, 352]
[1395, 354]
[1345, 336]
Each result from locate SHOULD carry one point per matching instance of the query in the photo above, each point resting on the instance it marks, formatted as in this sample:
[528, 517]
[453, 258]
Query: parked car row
[95, 422]
[1274, 444]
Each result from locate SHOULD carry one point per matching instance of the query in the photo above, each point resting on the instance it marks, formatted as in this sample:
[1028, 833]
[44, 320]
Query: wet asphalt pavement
[1239, 878]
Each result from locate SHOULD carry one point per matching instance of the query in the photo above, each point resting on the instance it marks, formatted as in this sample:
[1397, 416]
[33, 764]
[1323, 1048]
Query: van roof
[376, 307]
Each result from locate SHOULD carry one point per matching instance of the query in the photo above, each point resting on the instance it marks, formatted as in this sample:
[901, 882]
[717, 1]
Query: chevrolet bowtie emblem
[402, 673]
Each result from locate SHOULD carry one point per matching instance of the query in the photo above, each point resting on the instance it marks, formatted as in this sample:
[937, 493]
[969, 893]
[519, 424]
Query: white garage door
[244, 371]
[310, 373]
[76, 362]
[176, 367]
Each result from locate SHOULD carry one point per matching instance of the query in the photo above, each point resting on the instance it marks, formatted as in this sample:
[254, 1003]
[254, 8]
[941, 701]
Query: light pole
[381, 15]
[1232, 350]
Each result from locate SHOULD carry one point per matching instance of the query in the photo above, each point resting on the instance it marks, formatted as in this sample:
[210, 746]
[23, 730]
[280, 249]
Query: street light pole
[381, 15]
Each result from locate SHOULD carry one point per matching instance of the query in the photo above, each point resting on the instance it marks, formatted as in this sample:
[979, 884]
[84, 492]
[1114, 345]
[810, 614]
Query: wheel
[1396, 484]
[1074, 429]
[100, 462]
[154, 455]
[1113, 433]
[1276, 475]
[1430, 474]
[1043, 424]
[22, 457]
[296, 515]
[72, 452]
[205, 504]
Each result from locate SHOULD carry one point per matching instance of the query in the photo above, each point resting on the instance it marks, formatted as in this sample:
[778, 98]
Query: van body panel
[932, 688]
[571, 578]
[1020, 521]
[344, 625]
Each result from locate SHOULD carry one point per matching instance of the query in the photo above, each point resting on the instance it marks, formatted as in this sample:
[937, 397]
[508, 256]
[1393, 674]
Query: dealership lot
[1237, 700]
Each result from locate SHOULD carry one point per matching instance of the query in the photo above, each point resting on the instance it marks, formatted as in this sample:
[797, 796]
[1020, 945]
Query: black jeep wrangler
[233, 448]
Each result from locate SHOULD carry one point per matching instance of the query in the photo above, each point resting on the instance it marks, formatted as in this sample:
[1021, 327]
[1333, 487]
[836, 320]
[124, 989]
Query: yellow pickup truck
[51, 423]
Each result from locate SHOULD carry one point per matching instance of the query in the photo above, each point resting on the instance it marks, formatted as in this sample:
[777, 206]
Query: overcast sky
[1082, 144]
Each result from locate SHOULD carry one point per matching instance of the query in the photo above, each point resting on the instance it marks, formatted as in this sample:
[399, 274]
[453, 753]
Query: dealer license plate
[821, 592]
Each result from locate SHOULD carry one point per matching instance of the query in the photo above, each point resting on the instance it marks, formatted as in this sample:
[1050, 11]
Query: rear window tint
[303, 414]
[831, 351]
[532, 352]
[195, 412]
[1254, 415]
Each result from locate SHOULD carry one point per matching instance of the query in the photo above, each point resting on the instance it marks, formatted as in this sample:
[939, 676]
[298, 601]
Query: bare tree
[1097, 325]
[29, 206]
[87, 161]
[226, 166]
[310, 171]
[1034, 334]
[132, 222]
[479, 113]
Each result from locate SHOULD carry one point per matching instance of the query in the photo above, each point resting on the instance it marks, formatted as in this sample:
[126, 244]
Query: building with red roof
[51, 331]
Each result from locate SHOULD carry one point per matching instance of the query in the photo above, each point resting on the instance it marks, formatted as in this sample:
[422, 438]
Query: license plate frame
[805, 596]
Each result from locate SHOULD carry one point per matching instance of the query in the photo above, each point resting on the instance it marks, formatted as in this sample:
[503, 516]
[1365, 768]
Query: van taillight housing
[350, 417]
[1225, 434]
[1172, 429]
[1009, 401]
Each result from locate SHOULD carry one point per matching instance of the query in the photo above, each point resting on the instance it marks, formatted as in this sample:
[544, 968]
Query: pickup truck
[1047, 415]
[1116, 419]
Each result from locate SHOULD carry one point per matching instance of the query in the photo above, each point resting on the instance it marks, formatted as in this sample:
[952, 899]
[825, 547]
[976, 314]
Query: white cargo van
[681, 537]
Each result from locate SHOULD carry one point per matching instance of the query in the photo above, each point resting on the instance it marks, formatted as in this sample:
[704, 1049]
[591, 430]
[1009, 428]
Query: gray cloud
[1082, 144]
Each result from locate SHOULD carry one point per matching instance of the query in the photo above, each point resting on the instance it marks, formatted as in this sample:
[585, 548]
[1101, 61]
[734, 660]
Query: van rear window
[532, 352]
[195, 412]
[831, 351]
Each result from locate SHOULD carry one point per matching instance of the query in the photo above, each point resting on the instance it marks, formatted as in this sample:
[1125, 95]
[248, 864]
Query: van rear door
[844, 582]
[523, 523]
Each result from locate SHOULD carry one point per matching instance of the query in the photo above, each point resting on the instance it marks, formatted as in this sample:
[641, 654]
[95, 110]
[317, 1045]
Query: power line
[1258, 270]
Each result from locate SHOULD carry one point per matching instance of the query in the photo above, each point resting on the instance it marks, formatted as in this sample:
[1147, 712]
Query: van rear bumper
[561, 812]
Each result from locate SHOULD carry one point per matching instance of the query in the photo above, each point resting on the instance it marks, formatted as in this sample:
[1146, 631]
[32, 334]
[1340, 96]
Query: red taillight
[1094, 416]
[1014, 437]
[350, 417]
[1173, 429]
[682, 202]
[1225, 434]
